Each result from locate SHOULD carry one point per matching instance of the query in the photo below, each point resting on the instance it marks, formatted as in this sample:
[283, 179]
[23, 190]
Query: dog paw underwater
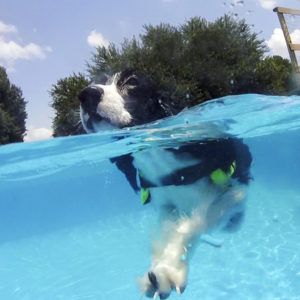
[196, 187]
[151, 287]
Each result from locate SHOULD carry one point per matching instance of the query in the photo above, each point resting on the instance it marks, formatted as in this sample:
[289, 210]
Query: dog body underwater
[196, 186]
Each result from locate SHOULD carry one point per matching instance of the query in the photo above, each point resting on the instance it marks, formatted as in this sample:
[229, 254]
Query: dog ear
[125, 164]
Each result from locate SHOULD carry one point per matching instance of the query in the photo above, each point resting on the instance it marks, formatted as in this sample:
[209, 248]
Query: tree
[221, 56]
[66, 105]
[197, 61]
[12, 111]
[273, 76]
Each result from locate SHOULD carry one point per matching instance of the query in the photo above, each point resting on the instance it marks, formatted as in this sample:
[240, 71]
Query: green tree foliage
[66, 105]
[273, 76]
[198, 61]
[12, 111]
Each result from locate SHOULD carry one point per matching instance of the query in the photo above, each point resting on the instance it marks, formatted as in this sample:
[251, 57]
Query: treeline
[12, 111]
[201, 59]
[66, 105]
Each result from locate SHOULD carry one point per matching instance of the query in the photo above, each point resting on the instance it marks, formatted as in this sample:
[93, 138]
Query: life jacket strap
[218, 177]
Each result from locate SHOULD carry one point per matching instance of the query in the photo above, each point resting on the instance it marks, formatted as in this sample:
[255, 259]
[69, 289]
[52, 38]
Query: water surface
[72, 228]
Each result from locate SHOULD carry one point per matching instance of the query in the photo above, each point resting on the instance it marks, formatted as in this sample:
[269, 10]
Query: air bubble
[183, 257]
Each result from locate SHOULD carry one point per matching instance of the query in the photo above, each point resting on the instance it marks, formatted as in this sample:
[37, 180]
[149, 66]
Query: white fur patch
[112, 108]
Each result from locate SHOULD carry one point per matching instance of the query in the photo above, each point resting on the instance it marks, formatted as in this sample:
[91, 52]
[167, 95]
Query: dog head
[128, 98]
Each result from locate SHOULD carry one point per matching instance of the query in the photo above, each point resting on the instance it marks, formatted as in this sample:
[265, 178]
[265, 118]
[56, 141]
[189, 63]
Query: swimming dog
[196, 186]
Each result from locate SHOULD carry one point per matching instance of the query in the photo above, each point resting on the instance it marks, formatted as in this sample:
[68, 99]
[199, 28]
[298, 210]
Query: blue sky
[42, 41]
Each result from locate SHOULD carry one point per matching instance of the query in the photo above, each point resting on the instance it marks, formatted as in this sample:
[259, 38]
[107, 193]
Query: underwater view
[71, 227]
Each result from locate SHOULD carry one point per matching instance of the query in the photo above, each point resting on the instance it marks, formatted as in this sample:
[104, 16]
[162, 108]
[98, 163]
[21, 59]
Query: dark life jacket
[219, 160]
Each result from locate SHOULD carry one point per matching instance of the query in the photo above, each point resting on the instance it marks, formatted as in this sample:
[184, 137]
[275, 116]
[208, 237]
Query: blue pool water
[72, 228]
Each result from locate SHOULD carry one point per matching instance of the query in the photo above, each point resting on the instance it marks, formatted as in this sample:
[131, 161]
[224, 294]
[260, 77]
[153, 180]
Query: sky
[42, 41]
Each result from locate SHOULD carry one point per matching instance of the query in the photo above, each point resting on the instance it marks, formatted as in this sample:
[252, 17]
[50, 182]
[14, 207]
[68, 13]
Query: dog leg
[170, 254]
[170, 257]
[208, 239]
[230, 201]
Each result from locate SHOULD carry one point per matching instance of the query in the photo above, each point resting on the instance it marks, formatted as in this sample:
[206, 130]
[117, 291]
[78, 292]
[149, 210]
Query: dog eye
[132, 81]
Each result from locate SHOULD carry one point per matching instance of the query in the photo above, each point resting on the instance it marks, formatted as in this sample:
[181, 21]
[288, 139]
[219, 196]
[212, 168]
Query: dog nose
[90, 97]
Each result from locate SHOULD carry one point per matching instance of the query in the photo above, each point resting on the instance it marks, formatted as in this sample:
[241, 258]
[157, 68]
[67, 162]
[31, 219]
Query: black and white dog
[197, 186]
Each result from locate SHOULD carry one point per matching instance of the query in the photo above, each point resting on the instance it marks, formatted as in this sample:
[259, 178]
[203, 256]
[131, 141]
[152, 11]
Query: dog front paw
[159, 284]
[156, 288]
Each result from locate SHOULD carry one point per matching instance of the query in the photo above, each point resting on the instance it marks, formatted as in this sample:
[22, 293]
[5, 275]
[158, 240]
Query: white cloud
[96, 39]
[268, 4]
[295, 36]
[6, 28]
[277, 43]
[10, 51]
[37, 134]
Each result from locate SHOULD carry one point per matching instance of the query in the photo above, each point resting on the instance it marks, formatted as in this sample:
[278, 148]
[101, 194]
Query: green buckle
[220, 178]
[145, 194]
